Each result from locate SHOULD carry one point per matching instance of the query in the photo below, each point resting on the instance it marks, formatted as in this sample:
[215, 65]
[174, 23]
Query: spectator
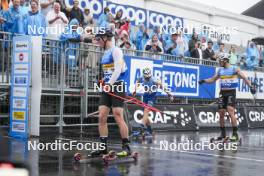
[2, 20]
[76, 13]
[62, 5]
[56, 20]
[193, 41]
[233, 56]
[154, 45]
[71, 38]
[35, 23]
[88, 35]
[125, 27]
[217, 44]
[181, 45]
[141, 37]
[4, 5]
[46, 6]
[197, 52]
[14, 19]
[171, 45]
[252, 55]
[221, 50]
[103, 17]
[156, 31]
[119, 16]
[261, 59]
[243, 62]
[208, 53]
[88, 19]
[24, 7]
[107, 22]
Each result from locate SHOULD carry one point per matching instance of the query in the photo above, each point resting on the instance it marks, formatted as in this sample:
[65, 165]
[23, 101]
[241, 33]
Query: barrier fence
[69, 71]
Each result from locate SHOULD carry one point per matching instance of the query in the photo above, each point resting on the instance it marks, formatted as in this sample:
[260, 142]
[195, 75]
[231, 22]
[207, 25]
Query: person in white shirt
[46, 6]
[57, 21]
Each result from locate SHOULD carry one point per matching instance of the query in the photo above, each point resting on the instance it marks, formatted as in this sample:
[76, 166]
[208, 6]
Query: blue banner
[20, 91]
[136, 15]
[181, 79]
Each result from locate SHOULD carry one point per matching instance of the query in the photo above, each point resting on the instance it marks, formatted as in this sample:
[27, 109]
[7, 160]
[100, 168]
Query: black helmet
[104, 32]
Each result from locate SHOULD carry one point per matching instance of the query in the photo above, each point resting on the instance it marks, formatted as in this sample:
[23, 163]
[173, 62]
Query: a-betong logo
[256, 116]
[177, 117]
[209, 117]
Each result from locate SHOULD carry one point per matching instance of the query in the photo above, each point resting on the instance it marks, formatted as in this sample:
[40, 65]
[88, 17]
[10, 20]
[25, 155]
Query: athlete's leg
[231, 112]
[118, 115]
[222, 123]
[145, 119]
[103, 113]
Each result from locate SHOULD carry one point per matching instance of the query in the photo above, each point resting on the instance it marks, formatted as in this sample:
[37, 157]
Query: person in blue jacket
[70, 39]
[141, 37]
[14, 19]
[35, 22]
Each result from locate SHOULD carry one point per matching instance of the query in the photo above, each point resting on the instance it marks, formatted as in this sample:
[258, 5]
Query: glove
[253, 90]
[202, 81]
[134, 94]
[171, 98]
[101, 82]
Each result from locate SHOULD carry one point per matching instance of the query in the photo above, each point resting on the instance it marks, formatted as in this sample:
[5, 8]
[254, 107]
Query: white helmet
[224, 56]
[147, 73]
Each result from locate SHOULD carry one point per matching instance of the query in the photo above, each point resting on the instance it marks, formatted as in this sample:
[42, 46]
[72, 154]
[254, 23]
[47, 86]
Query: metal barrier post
[63, 61]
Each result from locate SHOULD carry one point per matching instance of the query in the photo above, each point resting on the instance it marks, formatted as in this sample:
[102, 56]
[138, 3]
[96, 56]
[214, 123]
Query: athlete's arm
[136, 86]
[118, 64]
[210, 80]
[242, 75]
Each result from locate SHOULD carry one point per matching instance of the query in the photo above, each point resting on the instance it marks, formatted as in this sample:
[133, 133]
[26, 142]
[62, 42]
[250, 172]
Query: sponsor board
[20, 92]
[208, 116]
[255, 116]
[20, 69]
[20, 88]
[19, 103]
[21, 45]
[173, 117]
[21, 57]
[181, 79]
[19, 115]
[18, 127]
[20, 80]
[136, 15]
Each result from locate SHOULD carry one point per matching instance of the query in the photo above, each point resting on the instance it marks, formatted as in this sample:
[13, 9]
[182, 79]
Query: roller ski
[92, 157]
[122, 156]
[143, 132]
[227, 140]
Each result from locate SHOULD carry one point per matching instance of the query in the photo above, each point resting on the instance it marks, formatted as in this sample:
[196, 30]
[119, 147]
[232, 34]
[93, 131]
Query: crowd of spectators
[23, 16]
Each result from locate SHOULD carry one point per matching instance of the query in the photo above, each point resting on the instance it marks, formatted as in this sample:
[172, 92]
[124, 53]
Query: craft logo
[177, 117]
[209, 117]
[255, 116]
[19, 115]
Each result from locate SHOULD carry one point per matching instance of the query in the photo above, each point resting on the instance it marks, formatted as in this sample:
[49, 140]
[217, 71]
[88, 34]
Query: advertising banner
[20, 87]
[174, 117]
[182, 79]
[255, 117]
[208, 116]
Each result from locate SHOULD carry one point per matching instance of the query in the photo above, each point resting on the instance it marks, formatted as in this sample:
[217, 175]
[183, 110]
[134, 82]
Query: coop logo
[136, 15]
[255, 116]
[21, 56]
[177, 117]
[207, 117]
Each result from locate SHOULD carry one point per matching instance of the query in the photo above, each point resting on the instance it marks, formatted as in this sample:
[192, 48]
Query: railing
[69, 71]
